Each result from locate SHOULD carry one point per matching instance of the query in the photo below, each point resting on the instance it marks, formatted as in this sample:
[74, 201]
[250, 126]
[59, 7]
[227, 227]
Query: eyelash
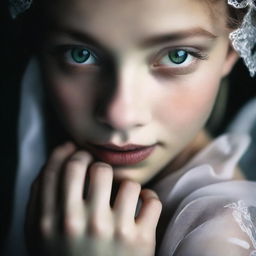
[65, 51]
[193, 55]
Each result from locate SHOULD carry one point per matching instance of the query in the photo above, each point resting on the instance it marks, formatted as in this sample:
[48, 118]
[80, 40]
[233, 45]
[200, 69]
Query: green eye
[178, 56]
[80, 55]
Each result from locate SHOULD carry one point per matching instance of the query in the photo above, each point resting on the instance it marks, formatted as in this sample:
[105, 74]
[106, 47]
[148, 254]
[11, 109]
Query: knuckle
[73, 225]
[123, 232]
[79, 159]
[73, 164]
[101, 166]
[57, 153]
[81, 156]
[146, 238]
[154, 203]
[46, 226]
[97, 228]
[131, 185]
[100, 169]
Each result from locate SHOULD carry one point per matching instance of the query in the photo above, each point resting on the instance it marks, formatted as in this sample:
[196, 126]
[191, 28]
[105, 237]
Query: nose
[128, 106]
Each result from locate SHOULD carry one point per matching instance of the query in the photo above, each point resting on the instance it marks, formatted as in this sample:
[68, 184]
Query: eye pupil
[80, 55]
[178, 56]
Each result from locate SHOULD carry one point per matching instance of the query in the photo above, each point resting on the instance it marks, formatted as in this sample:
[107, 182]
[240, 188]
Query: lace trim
[19, 6]
[244, 38]
[246, 218]
[241, 3]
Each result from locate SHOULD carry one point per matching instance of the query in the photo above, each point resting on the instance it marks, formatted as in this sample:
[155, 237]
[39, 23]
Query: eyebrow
[78, 35]
[83, 36]
[177, 36]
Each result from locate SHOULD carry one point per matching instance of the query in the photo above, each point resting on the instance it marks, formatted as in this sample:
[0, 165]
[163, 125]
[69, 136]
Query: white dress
[205, 213]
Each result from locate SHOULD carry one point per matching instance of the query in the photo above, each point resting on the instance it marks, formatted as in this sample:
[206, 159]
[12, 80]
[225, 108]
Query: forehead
[123, 19]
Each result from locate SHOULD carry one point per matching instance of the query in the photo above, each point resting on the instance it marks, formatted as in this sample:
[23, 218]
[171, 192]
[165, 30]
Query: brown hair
[234, 19]
[234, 15]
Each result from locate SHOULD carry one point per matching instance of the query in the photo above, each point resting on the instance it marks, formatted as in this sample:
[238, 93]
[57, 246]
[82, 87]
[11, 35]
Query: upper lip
[127, 147]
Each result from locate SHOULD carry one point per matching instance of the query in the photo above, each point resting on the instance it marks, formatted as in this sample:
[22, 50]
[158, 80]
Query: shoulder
[229, 232]
[214, 221]
[202, 202]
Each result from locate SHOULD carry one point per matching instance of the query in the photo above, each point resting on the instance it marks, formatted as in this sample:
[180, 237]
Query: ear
[230, 61]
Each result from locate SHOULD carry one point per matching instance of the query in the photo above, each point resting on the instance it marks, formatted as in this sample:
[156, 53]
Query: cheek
[72, 100]
[70, 89]
[188, 104]
[190, 101]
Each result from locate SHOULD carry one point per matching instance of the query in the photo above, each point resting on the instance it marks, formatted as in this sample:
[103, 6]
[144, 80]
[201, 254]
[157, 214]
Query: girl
[127, 87]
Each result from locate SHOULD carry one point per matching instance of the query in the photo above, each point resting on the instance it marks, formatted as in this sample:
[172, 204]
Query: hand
[61, 220]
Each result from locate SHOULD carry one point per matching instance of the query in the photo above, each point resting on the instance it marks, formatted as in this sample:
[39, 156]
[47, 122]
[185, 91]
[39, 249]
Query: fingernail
[154, 194]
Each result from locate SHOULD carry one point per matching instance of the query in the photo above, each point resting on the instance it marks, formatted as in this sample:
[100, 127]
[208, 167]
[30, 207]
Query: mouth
[129, 154]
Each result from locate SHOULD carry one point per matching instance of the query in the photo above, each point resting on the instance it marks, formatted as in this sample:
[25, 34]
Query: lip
[129, 154]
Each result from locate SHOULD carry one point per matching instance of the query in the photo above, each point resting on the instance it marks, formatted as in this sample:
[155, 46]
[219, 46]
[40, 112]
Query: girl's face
[140, 72]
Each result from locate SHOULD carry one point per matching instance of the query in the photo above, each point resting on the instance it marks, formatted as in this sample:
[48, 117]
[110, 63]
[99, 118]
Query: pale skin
[90, 226]
[161, 102]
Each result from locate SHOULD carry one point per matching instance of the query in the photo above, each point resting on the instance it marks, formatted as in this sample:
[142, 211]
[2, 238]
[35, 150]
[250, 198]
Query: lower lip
[122, 157]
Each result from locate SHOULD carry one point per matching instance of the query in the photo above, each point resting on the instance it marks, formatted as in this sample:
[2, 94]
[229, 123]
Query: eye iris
[178, 56]
[80, 55]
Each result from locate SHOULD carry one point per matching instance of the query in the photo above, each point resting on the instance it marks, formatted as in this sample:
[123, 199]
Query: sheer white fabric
[245, 217]
[199, 203]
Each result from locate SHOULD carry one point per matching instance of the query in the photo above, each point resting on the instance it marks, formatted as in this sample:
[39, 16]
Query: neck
[201, 140]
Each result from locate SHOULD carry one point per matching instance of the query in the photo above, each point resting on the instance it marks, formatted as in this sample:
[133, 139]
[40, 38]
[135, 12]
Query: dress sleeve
[219, 219]
[231, 232]
[206, 212]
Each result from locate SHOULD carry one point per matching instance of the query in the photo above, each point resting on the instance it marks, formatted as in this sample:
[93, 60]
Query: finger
[126, 201]
[48, 182]
[41, 208]
[150, 210]
[74, 176]
[101, 178]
